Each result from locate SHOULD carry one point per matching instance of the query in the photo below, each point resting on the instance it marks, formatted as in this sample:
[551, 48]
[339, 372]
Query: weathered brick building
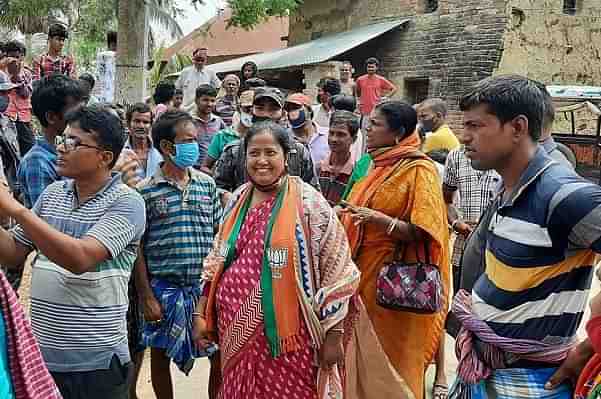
[449, 44]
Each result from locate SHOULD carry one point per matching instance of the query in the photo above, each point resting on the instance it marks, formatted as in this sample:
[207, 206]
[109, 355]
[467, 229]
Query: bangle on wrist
[198, 314]
[454, 225]
[391, 226]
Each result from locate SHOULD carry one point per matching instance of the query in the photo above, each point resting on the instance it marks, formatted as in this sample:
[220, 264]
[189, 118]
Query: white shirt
[321, 116]
[189, 80]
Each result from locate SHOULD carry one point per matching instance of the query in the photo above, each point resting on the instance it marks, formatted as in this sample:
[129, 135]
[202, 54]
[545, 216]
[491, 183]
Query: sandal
[440, 391]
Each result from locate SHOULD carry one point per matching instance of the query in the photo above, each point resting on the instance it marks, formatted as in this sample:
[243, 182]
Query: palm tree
[132, 46]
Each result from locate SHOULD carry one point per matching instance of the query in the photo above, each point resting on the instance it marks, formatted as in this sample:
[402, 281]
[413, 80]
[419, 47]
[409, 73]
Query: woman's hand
[200, 333]
[331, 352]
[572, 366]
[361, 215]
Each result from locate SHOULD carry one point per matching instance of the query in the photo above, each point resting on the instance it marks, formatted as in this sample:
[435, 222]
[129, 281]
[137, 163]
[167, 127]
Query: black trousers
[25, 136]
[112, 383]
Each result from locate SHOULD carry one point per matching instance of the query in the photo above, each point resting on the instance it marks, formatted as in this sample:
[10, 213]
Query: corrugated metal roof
[313, 52]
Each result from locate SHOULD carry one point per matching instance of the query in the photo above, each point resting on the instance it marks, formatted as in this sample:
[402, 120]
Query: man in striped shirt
[537, 243]
[184, 212]
[86, 230]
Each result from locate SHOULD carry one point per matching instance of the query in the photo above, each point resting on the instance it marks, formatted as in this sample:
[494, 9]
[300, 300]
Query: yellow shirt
[442, 139]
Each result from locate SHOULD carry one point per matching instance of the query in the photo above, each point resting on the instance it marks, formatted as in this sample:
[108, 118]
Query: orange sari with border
[406, 187]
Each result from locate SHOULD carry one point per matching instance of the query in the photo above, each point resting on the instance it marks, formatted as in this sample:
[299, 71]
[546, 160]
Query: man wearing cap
[230, 170]
[9, 147]
[9, 157]
[305, 130]
[195, 75]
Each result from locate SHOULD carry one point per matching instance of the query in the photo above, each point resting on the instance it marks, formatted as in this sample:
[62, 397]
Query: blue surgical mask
[186, 155]
[246, 119]
[3, 103]
[300, 120]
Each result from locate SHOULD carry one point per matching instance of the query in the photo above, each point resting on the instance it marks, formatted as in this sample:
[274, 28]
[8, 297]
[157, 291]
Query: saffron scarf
[278, 271]
[381, 169]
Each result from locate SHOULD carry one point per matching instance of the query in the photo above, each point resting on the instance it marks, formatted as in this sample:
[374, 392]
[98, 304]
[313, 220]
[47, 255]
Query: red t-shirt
[371, 88]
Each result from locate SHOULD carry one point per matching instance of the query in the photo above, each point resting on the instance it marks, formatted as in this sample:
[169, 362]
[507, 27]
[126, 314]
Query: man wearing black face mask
[432, 114]
[230, 169]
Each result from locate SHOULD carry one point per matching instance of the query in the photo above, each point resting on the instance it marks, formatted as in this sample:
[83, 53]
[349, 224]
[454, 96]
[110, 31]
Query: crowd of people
[309, 248]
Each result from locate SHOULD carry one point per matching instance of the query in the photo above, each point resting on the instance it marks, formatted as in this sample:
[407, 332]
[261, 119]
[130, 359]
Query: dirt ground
[195, 385]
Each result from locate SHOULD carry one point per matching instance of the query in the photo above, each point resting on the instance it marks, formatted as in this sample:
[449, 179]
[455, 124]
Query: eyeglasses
[71, 144]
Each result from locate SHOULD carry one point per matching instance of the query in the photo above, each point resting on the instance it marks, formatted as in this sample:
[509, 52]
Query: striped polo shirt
[79, 320]
[539, 254]
[181, 225]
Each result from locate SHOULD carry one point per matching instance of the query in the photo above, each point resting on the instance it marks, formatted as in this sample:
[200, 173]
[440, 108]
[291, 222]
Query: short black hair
[400, 116]
[103, 124]
[206, 90]
[178, 92]
[251, 64]
[372, 60]
[254, 83]
[331, 86]
[164, 127]
[507, 97]
[437, 105]
[111, 38]
[549, 113]
[50, 95]
[58, 30]
[344, 102]
[281, 135]
[348, 119]
[14, 45]
[87, 77]
[163, 93]
[140, 108]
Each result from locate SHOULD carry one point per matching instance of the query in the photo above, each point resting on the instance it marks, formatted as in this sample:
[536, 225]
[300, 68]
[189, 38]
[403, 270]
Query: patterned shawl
[30, 377]
[324, 275]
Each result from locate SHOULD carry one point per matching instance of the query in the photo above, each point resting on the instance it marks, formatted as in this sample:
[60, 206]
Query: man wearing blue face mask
[315, 137]
[183, 216]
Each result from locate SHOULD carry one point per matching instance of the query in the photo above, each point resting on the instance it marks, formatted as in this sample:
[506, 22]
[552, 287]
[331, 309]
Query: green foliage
[92, 19]
[28, 16]
[160, 72]
[247, 14]
[165, 14]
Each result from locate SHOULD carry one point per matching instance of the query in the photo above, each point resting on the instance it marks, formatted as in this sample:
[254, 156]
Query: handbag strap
[399, 250]
[401, 247]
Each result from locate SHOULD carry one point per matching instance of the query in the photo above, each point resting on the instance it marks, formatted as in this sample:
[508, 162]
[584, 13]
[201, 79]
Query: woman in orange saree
[399, 201]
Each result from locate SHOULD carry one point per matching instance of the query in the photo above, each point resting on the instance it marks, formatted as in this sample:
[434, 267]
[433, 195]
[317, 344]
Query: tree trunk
[132, 51]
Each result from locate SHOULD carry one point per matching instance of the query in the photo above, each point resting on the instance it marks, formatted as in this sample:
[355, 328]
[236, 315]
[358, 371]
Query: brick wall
[464, 41]
[458, 44]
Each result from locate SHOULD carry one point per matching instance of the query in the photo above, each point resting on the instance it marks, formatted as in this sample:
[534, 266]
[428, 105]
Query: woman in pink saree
[281, 278]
